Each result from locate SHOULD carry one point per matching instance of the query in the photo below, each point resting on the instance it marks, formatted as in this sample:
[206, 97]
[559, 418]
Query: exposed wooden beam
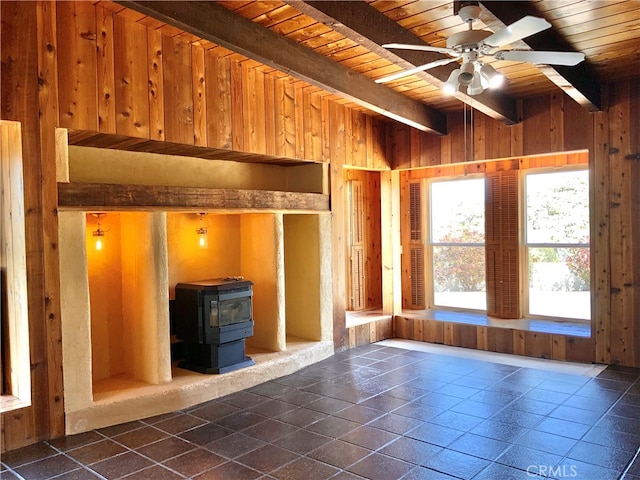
[370, 28]
[579, 82]
[116, 197]
[217, 24]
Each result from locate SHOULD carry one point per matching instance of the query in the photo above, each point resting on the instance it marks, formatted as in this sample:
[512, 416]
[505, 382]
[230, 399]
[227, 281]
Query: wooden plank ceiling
[607, 31]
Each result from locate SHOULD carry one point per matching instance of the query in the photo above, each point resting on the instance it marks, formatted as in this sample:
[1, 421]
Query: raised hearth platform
[119, 400]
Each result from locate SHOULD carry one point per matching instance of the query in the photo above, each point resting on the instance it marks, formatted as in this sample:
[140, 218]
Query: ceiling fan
[471, 45]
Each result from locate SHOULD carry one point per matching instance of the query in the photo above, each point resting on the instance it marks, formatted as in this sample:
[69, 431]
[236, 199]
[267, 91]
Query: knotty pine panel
[499, 340]
[399, 146]
[49, 115]
[285, 118]
[299, 119]
[178, 91]
[356, 138]
[429, 153]
[465, 335]
[376, 135]
[105, 71]
[337, 139]
[556, 122]
[338, 250]
[623, 349]
[237, 120]
[312, 108]
[369, 333]
[253, 105]
[576, 349]
[218, 99]
[498, 139]
[77, 60]
[415, 149]
[478, 136]
[131, 78]
[537, 126]
[156, 85]
[634, 135]
[270, 114]
[373, 266]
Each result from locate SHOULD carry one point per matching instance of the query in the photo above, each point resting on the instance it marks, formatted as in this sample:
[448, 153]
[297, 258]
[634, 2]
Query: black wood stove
[212, 318]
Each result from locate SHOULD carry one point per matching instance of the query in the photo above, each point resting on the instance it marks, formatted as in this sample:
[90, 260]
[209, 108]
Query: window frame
[429, 245]
[525, 245]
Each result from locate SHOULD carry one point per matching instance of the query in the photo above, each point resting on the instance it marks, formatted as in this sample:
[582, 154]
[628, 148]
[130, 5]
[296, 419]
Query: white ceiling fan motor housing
[467, 40]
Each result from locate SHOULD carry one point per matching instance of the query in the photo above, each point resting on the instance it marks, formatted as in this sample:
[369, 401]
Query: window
[513, 241]
[457, 243]
[557, 243]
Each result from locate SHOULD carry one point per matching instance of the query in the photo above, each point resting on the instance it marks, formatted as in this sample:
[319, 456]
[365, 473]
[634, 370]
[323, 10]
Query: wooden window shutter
[502, 247]
[417, 276]
[357, 278]
[357, 213]
[415, 292]
[494, 297]
[415, 211]
[357, 254]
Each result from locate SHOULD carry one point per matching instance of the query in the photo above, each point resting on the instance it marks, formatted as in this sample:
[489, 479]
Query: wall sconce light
[203, 241]
[98, 234]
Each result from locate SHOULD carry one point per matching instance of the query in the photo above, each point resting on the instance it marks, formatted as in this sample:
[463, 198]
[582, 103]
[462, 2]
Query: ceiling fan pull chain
[464, 112]
[472, 136]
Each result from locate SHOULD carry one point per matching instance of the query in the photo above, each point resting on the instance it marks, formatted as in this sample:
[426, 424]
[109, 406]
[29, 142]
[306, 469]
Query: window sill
[9, 403]
[556, 327]
[361, 317]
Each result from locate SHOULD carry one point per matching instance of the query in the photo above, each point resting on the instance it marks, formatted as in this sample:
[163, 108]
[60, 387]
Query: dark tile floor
[374, 412]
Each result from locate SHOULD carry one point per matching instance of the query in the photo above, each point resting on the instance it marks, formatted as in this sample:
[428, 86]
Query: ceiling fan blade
[422, 48]
[548, 58]
[517, 31]
[411, 71]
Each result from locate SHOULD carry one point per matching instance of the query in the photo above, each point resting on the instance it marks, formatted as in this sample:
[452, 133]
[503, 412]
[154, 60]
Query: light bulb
[491, 75]
[451, 86]
[98, 233]
[203, 241]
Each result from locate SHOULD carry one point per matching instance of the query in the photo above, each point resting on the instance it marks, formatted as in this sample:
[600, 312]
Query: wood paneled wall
[370, 332]
[120, 74]
[555, 123]
[98, 67]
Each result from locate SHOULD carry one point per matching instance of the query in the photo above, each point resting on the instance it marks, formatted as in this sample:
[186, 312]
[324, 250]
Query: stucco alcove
[115, 302]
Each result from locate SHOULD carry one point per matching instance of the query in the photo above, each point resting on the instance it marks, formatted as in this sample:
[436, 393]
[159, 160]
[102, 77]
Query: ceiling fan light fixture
[451, 85]
[475, 88]
[493, 78]
[466, 74]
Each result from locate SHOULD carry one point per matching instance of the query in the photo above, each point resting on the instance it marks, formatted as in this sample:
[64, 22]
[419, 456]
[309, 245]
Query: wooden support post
[391, 248]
